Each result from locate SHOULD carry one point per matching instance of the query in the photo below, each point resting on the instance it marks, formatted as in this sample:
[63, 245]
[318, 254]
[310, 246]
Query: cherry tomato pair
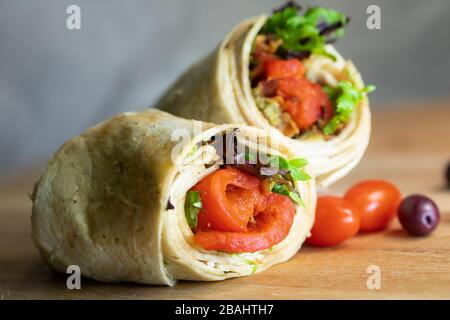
[367, 206]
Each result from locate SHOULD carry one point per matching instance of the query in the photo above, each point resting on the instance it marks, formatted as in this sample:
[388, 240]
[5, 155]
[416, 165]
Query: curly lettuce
[345, 98]
[307, 33]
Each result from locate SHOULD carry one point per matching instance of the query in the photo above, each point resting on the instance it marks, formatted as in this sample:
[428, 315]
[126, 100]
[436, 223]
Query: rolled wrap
[112, 202]
[218, 89]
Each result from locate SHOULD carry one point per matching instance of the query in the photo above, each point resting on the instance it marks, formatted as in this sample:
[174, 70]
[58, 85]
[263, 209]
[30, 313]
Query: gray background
[55, 82]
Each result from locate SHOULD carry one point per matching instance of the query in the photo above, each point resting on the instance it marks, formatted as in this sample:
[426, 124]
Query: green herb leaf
[284, 190]
[280, 189]
[298, 163]
[299, 175]
[283, 185]
[280, 174]
[345, 98]
[296, 198]
[279, 162]
[370, 88]
[192, 206]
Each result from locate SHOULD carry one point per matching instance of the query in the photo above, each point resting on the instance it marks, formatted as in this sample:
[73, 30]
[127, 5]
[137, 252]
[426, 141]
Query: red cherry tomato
[336, 221]
[377, 200]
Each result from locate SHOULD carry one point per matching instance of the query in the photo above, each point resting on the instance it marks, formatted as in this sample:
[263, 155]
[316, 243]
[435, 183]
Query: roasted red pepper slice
[305, 101]
[230, 198]
[271, 226]
[238, 215]
[261, 58]
[276, 69]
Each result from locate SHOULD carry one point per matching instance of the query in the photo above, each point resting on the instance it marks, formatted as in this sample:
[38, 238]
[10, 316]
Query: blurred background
[55, 82]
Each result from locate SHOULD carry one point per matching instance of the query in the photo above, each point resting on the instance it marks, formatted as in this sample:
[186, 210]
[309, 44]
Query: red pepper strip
[276, 69]
[304, 100]
[271, 226]
[230, 198]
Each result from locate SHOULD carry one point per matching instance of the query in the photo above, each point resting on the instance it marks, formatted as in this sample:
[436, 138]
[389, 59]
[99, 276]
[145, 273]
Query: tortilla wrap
[218, 89]
[112, 202]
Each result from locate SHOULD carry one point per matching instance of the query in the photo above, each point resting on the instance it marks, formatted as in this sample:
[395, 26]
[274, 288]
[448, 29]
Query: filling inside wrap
[242, 204]
[248, 204]
[299, 82]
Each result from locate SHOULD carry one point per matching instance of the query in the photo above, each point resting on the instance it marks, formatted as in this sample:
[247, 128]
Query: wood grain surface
[410, 146]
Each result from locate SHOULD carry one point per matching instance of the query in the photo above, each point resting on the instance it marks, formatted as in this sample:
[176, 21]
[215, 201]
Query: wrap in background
[218, 89]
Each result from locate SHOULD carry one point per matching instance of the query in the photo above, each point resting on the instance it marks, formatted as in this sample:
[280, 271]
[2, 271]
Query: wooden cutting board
[410, 146]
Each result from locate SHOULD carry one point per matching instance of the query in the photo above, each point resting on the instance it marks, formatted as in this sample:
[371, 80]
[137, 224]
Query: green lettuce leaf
[345, 98]
[307, 33]
[192, 206]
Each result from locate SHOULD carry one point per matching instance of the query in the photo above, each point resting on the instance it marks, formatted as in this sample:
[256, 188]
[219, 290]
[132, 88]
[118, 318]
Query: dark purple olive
[418, 215]
[447, 175]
